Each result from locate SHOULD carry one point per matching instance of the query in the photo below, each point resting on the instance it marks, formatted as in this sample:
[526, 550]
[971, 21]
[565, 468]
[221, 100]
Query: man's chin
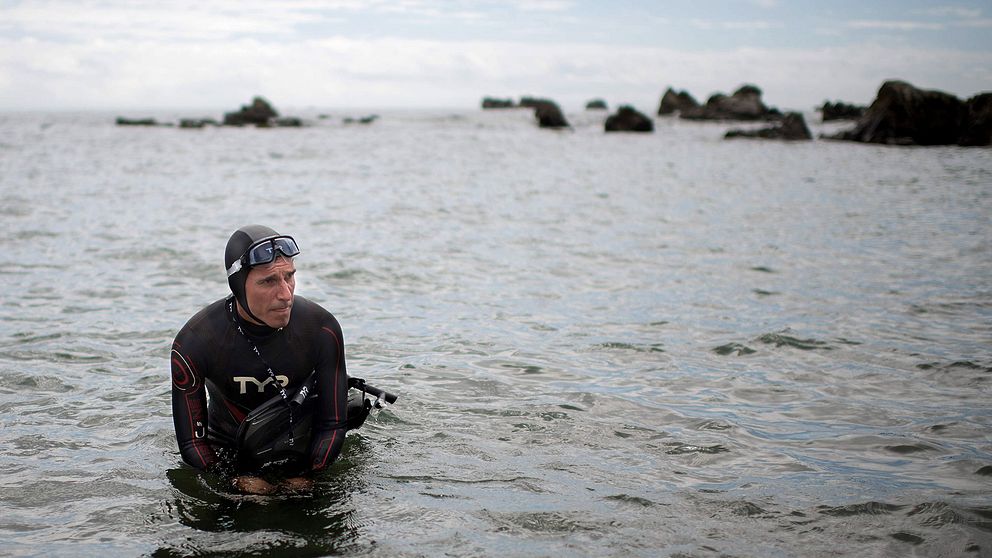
[278, 319]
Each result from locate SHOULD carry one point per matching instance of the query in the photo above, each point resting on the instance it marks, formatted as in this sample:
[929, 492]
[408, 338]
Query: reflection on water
[651, 345]
[319, 523]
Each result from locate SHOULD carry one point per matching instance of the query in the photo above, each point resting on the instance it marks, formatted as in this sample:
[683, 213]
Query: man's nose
[285, 291]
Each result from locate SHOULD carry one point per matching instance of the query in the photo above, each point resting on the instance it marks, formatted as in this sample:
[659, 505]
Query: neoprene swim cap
[237, 246]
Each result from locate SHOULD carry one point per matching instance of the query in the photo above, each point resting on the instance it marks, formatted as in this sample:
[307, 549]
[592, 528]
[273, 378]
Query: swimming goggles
[264, 251]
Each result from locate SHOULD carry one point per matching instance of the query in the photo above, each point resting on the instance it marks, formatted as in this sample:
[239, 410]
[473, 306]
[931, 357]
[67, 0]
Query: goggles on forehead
[264, 252]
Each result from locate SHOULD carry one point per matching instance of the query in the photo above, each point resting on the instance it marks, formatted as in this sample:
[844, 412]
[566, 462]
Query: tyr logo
[245, 380]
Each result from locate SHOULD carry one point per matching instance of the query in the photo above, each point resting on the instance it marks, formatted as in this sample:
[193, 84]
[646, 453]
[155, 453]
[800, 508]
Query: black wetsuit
[209, 355]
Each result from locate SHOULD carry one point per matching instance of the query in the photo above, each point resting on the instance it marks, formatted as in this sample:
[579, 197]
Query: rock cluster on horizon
[597, 104]
[744, 104]
[906, 115]
[259, 113]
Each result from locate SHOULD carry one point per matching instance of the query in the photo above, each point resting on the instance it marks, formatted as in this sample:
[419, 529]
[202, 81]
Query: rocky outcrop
[906, 115]
[596, 104]
[628, 119]
[792, 128]
[122, 121]
[978, 129]
[197, 122]
[840, 111]
[744, 104]
[673, 102]
[361, 120]
[546, 111]
[494, 103]
[259, 112]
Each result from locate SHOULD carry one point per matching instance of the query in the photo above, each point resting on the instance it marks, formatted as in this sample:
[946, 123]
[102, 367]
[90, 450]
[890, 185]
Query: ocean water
[604, 344]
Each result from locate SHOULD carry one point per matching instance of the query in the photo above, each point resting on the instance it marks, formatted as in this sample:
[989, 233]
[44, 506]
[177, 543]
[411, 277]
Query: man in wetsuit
[261, 341]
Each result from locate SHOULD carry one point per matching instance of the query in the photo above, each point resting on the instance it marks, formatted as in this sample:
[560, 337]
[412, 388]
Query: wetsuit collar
[254, 330]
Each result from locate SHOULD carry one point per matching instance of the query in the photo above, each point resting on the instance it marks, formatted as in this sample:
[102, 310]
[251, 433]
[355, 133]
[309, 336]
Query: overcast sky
[94, 54]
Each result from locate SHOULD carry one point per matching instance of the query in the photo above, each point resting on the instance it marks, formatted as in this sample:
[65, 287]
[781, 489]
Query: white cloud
[116, 55]
[950, 11]
[384, 73]
[754, 25]
[981, 23]
[894, 25]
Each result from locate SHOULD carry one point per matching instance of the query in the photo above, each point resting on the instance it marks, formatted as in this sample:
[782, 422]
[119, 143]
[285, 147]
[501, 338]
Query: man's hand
[297, 484]
[253, 485]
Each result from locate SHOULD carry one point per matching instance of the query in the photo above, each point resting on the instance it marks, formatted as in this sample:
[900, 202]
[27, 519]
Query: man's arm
[331, 419]
[189, 410]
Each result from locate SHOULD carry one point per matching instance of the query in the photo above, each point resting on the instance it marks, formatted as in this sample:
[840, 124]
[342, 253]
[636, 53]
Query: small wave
[633, 500]
[949, 367]
[762, 269]
[747, 509]
[908, 538]
[936, 514]
[617, 345]
[782, 340]
[867, 508]
[764, 293]
[906, 449]
[734, 349]
[684, 449]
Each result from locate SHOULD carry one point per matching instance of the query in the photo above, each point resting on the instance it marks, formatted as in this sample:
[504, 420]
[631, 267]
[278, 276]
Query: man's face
[269, 290]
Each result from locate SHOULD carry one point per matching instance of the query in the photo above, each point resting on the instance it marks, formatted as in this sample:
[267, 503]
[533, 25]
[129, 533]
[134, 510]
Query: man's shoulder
[311, 312]
[211, 315]
[307, 305]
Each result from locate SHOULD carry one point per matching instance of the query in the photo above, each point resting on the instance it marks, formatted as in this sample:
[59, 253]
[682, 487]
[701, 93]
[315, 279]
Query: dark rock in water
[596, 104]
[195, 123]
[841, 111]
[258, 113]
[289, 122]
[978, 129]
[793, 127]
[906, 115]
[628, 119]
[744, 104]
[546, 111]
[362, 120]
[676, 102]
[494, 103]
[121, 121]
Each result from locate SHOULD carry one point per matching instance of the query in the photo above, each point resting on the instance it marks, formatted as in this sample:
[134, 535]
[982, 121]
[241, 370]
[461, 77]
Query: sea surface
[659, 345]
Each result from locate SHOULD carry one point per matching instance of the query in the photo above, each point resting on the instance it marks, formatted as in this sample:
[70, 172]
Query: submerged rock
[906, 115]
[628, 119]
[121, 121]
[792, 128]
[361, 120]
[676, 102]
[494, 103]
[196, 123]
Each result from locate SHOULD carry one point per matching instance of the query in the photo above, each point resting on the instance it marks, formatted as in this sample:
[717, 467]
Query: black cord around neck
[268, 368]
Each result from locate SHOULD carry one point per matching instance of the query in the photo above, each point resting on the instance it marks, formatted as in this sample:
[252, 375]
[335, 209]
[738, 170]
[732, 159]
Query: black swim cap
[237, 246]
